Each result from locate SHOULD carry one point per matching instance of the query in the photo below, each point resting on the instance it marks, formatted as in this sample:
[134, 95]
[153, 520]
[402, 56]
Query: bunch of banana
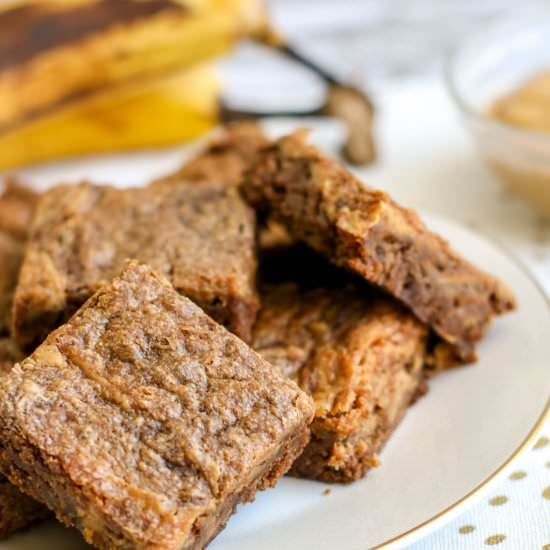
[83, 76]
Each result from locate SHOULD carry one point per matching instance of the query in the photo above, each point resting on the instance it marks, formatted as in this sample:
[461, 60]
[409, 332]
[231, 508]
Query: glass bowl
[489, 64]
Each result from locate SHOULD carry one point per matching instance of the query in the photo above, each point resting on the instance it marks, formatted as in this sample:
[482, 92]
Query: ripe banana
[56, 51]
[86, 76]
[160, 112]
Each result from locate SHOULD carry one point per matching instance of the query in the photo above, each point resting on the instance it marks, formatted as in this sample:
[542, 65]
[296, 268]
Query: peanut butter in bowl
[520, 152]
[528, 106]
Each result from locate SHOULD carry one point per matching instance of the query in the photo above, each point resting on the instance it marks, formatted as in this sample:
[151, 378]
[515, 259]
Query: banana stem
[227, 114]
[343, 101]
[289, 51]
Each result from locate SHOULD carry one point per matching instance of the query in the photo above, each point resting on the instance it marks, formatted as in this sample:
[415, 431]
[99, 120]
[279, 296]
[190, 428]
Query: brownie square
[226, 157]
[365, 231]
[17, 510]
[16, 202]
[143, 422]
[361, 358]
[201, 237]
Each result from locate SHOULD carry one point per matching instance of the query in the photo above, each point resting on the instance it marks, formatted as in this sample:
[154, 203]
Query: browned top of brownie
[154, 411]
[227, 156]
[16, 204]
[365, 231]
[201, 237]
[315, 329]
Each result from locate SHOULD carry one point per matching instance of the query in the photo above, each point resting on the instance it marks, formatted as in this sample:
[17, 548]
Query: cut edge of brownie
[16, 205]
[17, 510]
[365, 231]
[11, 256]
[38, 483]
[41, 302]
[339, 457]
[275, 469]
[314, 463]
[236, 314]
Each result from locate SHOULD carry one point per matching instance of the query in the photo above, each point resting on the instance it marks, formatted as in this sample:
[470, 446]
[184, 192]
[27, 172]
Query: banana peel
[87, 76]
[158, 113]
[56, 51]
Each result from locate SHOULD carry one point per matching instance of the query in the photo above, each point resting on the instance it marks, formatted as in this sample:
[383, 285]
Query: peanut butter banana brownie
[17, 510]
[143, 422]
[201, 237]
[16, 202]
[365, 231]
[361, 358]
[226, 157]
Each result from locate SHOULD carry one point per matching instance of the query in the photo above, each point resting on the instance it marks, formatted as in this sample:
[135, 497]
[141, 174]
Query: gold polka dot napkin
[515, 515]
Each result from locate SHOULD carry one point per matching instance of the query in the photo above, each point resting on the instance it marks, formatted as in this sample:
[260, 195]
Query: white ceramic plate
[449, 449]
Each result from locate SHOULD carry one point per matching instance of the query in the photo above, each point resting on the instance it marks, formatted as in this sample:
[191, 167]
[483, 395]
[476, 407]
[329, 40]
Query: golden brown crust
[202, 237]
[16, 202]
[359, 356]
[364, 231]
[142, 421]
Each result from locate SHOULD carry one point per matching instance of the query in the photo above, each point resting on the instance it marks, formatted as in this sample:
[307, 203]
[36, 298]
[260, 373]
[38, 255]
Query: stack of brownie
[258, 312]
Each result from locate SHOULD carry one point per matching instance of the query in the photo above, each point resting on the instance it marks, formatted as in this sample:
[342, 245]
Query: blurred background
[369, 42]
